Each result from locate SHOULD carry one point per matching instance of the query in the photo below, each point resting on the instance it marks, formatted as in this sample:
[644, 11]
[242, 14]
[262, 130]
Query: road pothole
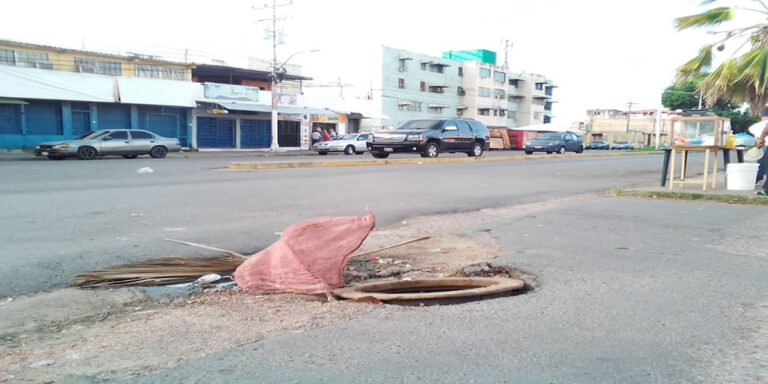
[443, 290]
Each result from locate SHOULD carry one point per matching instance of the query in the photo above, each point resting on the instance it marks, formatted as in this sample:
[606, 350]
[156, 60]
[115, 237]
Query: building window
[415, 106]
[461, 71]
[484, 73]
[7, 57]
[460, 91]
[402, 65]
[160, 72]
[514, 82]
[437, 110]
[25, 59]
[423, 86]
[484, 112]
[438, 68]
[539, 86]
[499, 94]
[537, 115]
[499, 77]
[483, 92]
[423, 66]
[401, 83]
[103, 67]
[436, 89]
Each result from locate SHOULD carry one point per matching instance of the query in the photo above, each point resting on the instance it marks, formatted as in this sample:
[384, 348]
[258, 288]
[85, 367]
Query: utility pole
[507, 46]
[629, 111]
[274, 71]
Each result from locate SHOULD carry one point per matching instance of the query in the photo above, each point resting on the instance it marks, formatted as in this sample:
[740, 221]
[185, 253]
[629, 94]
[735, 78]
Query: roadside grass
[728, 199]
[645, 149]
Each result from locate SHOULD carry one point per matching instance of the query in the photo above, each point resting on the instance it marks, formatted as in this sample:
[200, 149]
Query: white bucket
[741, 176]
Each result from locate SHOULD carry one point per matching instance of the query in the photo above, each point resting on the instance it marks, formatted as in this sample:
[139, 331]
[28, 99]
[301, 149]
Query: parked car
[559, 142]
[351, 143]
[129, 143]
[623, 145]
[429, 137]
[598, 144]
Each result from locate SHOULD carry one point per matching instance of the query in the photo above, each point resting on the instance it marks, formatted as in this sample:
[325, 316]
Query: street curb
[240, 166]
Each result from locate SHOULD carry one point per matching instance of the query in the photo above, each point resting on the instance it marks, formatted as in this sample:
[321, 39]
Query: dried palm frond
[174, 270]
[169, 270]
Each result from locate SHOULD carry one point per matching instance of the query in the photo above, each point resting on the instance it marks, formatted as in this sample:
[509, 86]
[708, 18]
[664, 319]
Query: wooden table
[726, 160]
[684, 149]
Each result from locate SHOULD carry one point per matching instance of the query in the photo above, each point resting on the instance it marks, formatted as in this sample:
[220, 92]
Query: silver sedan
[129, 143]
[351, 143]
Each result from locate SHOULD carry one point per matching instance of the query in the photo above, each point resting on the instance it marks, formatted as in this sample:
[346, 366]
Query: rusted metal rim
[428, 289]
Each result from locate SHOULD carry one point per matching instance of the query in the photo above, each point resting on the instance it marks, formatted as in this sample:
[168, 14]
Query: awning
[12, 101]
[281, 109]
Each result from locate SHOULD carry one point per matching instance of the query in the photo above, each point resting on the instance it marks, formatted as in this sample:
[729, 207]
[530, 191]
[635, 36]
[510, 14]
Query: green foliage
[740, 120]
[684, 96]
[742, 78]
[711, 17]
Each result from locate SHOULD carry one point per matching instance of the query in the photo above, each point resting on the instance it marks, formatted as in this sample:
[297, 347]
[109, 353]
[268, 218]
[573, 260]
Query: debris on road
[308, 257]
[145, 170]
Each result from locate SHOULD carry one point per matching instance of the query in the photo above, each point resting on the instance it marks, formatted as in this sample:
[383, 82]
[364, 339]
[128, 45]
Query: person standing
[326, 135]
[316, 136]
[333, 133]
[760, 144]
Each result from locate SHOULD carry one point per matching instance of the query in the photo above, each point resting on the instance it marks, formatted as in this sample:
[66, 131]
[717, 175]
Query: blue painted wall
[26, 125]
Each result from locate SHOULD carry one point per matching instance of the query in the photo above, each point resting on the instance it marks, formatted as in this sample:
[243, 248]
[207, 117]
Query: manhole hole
[438, 290]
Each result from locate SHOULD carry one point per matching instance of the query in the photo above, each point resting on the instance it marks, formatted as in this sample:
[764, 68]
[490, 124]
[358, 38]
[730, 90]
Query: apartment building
[459, 84]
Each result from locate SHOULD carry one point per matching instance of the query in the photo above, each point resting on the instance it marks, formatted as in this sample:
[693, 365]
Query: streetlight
[278, 73]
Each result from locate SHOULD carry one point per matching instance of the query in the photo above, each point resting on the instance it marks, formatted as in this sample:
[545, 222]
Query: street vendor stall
[695, 134]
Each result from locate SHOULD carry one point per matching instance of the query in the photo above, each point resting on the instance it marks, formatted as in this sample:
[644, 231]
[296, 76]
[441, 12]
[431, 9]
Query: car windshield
[92, 135]
[345, 137]
[421, 124]
[549, 136]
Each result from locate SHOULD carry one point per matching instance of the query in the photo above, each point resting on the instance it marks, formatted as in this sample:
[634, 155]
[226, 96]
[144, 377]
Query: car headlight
[414, 137]
[61, 146]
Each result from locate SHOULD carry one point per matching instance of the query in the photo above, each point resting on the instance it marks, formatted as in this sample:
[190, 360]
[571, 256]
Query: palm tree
[739, 79]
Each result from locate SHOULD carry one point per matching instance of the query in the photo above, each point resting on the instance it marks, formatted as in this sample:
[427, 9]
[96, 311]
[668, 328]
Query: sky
[599, 53]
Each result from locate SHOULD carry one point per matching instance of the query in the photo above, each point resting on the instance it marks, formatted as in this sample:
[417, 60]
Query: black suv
[429, 137]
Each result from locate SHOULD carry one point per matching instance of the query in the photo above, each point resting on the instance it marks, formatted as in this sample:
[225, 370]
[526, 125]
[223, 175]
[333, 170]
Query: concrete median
[415, 160]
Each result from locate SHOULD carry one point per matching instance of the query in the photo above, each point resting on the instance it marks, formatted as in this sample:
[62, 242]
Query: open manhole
[438, 290]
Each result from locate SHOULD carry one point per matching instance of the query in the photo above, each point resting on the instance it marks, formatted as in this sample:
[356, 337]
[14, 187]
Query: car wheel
[432, 150]
[322, 153]
[528, 152]
[130, 156]
[349, 150]
[579, 150]
[86, 153]
[158, 152]
[380, 155]
[561, 150]
[477, 150]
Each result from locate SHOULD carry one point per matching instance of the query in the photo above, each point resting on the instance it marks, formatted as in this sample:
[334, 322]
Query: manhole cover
[419, 290]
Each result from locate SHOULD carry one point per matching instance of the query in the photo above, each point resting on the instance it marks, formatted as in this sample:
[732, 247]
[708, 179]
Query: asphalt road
[59, 218]
[629, 290]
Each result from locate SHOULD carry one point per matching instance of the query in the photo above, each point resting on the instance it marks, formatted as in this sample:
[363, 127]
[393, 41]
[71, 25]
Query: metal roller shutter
[215, 133]
[43, 118]
[114, 117]
[255, 134]
[163, 124]
[10, 119]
